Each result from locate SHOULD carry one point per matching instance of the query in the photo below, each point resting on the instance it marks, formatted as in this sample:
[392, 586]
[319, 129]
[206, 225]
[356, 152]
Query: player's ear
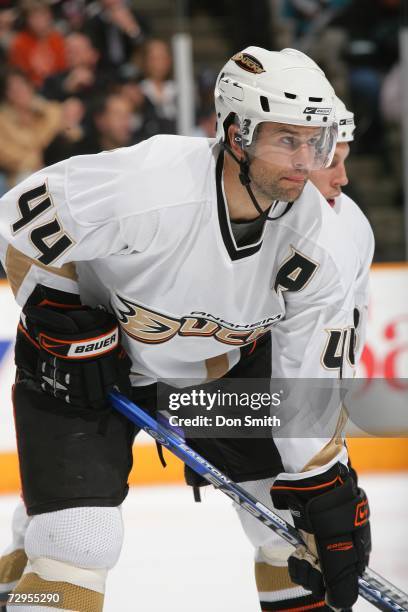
[235, 140]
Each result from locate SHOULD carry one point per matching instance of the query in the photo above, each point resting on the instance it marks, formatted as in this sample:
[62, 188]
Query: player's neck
[240, 206]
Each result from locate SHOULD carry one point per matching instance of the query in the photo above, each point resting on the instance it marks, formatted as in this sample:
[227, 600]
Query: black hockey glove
[80, 358]
[331, 513]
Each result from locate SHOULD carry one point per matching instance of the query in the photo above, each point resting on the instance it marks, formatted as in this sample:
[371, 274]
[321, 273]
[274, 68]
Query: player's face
[329, 181]
[281, 160]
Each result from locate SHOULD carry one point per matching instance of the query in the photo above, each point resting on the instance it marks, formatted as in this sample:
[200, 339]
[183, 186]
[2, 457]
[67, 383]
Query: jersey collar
[235, 252]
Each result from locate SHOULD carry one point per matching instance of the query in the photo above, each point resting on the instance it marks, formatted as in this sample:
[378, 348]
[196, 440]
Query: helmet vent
[291, 96]
[265, 104]
[315, 99]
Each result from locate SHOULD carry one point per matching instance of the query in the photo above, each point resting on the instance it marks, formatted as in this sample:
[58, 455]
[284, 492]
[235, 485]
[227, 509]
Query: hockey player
[329, 182]
[276, 589]
[200, 249]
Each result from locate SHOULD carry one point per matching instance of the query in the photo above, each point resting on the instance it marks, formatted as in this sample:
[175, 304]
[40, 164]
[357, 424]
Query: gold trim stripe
[332, 448]
[18, 266]
[73, 597]
[12, 566]
[271, 578]
[217, 366]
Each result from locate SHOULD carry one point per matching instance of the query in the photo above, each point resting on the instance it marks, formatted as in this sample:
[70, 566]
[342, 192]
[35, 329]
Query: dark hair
[96, 108]
[99, 105]
[230, 119]
[30, 6]
[26, 6]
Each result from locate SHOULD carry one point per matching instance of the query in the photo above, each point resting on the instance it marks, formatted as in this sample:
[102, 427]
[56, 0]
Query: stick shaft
[372, 587]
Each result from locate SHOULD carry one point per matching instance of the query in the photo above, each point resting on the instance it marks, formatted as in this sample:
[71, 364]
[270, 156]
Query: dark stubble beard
[269, 187]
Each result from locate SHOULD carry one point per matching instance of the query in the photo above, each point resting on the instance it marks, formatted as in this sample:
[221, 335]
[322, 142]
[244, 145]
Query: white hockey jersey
[359, 230]
[145, 230]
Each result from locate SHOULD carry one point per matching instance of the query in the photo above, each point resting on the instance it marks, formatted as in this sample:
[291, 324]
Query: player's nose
[303, 158]
[341, 178]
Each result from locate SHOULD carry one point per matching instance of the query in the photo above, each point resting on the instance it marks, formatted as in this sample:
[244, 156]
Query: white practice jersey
[145, 230]
[360, 232]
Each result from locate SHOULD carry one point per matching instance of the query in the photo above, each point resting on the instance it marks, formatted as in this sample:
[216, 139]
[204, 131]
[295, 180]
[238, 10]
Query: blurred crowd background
[82, 76]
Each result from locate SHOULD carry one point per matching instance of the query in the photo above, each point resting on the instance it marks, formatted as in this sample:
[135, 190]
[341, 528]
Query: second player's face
[330, 181]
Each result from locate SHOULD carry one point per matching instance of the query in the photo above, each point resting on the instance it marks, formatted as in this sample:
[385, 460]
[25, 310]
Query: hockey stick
[372, 587]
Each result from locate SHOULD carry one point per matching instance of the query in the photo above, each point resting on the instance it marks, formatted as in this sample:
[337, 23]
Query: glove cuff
[338, 511]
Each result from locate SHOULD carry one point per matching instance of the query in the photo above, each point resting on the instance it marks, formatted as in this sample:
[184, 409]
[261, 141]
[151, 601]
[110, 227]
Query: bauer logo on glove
[69, 349]
[80, 359]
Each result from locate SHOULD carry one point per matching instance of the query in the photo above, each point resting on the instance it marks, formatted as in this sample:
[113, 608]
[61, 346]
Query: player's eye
[288, 141]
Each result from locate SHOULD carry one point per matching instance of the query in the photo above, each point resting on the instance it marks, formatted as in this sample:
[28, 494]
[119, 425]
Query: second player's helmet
[345, 122]
[258, 85]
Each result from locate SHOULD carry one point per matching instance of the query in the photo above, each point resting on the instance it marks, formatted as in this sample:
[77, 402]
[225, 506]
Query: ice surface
[180, 556]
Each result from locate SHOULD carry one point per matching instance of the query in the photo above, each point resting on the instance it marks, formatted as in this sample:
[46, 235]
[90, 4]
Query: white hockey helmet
[284, 86]
[345, 122]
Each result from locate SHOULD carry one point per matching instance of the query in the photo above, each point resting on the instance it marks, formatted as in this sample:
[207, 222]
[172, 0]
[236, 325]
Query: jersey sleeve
[359, 229]
[69, 212]
[313, 338]
[314, 342]
[362, 289]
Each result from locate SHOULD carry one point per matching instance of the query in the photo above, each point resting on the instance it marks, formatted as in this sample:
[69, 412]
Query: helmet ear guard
[345, 120]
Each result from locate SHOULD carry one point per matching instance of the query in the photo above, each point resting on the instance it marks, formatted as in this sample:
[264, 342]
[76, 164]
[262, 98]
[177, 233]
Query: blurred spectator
[206, 81]
[145, 120]
[314, 30]
[71, 14]
[115, 31]
[250, 23]
[372, 27]
[391, 95]
[206, 122]
[309, 15]
[38, 49]
[157, 85]
[81, 79]
[28, 124]
[7, 19]
[243, 23]
[71, 132]
[110, 126]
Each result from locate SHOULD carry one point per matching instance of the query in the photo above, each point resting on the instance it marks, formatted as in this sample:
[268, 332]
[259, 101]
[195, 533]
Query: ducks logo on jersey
[151, 327]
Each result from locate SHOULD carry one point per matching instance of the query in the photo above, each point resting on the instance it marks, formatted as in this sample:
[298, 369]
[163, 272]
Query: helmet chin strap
[244, 176]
